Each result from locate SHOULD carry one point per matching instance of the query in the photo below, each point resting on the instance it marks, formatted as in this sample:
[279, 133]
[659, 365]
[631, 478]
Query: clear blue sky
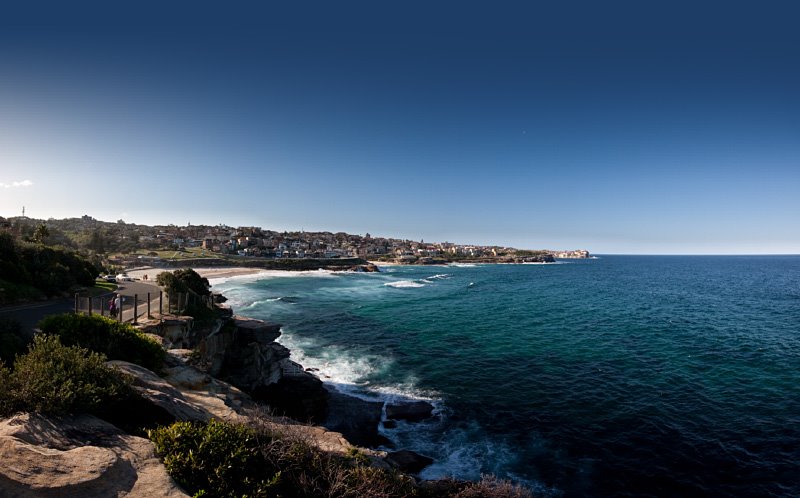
[619, 127]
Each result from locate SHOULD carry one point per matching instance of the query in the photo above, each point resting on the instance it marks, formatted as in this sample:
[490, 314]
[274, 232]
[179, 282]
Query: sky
[618, 127]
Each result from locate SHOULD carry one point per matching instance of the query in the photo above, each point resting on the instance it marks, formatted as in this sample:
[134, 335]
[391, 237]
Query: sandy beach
[209, 273]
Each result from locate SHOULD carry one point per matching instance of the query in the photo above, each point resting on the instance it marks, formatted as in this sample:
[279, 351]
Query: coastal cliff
[234, 379]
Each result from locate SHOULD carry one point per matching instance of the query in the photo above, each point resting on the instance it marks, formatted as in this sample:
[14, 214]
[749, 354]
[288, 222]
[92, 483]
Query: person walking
[113, 305]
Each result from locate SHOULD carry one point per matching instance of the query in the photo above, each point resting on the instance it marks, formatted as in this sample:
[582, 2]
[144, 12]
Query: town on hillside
[129, 243]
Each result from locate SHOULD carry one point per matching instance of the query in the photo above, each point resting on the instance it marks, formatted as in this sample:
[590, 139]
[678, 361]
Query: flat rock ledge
[78, 456]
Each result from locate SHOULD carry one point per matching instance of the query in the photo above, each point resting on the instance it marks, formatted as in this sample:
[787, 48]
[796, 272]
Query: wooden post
[148, 306]
[90, 306]
[160, 303]
[76, 303]
[135, 308]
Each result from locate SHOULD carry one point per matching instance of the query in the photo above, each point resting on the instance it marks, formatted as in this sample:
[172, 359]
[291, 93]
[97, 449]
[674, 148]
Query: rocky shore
[232, 370]
[244, 353]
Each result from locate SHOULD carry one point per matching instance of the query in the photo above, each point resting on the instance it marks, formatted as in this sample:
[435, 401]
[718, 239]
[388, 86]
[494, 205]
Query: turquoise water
[619, 376]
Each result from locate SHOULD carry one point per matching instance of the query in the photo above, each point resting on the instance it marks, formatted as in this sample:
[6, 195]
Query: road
[28, 315]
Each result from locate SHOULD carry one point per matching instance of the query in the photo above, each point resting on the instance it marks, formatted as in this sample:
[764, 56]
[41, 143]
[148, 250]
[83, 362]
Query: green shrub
[55, 379]
[491, 487]
[118, 341]
[11, 292]
[184, 280]
[212, 459]
[6, 401]
[27, 268]
[12, 340]
[217, 459]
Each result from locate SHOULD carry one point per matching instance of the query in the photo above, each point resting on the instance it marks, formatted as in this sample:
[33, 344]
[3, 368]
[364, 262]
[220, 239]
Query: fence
[131, 308]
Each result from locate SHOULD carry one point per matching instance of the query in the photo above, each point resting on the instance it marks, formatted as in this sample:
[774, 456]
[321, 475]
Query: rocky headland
[232, 370]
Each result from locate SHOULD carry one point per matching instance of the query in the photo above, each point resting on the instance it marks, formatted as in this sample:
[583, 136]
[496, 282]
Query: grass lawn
[101, 287]
[189, 253]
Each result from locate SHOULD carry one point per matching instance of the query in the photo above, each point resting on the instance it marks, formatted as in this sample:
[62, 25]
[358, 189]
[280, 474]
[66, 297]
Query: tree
[40, 234]
[97, 241]
[184, 280]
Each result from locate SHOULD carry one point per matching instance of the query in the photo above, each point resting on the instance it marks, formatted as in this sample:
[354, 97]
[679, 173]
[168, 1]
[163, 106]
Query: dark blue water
[620, 376]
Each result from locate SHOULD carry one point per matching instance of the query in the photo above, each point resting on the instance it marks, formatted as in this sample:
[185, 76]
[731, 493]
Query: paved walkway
[30, 314]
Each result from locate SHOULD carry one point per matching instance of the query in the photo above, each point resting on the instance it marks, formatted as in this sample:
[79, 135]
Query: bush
[25, 266]
[6, 401]
[118, 341]
[217, 459]
[184, 280]
[492, 487]
[55, 379]
[12, 340]
[224, 460]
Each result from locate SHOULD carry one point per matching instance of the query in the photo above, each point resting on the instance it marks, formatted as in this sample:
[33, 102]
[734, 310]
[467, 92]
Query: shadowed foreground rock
[245, 354]
[413, 411]
[356, 419]
[408, 461]
[79, 456]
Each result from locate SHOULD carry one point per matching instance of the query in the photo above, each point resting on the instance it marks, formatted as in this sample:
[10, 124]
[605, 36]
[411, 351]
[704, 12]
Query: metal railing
[133, 307]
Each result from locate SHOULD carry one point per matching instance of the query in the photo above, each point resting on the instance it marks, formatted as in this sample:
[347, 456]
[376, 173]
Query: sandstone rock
[215, 397]
[174, 331]
[297, 394]
[356, 419]
[78, 456]
[413, 411]
[408, 461]
[243, 352]
[160, 393]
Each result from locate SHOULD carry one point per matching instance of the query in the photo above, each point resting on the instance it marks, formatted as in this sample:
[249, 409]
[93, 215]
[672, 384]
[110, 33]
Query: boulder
[160, 394]
[78, 456]
[213, 396]
[408, 461]
[356, 419]
[244, 353]
[413, 411]
[297, 394]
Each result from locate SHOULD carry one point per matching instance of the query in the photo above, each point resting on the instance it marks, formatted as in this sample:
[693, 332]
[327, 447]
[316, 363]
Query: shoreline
[207, 272]
[360, 415]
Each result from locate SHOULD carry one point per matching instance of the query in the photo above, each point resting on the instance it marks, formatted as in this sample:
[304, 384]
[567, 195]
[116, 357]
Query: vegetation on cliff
[55, 379]
[117, 341]
[222, 459]
[30, 270]
[12, 340]
[184, 280]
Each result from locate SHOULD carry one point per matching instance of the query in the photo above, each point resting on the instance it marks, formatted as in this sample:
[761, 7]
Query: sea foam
[404, 284]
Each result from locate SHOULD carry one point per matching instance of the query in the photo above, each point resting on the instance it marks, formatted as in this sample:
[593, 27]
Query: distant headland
[129, 244]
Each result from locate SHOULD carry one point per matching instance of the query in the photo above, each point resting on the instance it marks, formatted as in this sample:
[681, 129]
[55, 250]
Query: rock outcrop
[162, 396]
[413, 411]
[297, 394]
[244, 353]
[356, 419]
[78, 456]
[408, 461]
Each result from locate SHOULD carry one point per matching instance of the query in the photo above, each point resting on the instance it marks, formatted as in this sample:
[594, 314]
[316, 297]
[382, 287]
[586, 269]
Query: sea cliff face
[244, 353]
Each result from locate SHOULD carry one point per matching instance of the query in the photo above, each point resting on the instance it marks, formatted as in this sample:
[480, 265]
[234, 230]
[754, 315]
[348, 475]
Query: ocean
[616, 376]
